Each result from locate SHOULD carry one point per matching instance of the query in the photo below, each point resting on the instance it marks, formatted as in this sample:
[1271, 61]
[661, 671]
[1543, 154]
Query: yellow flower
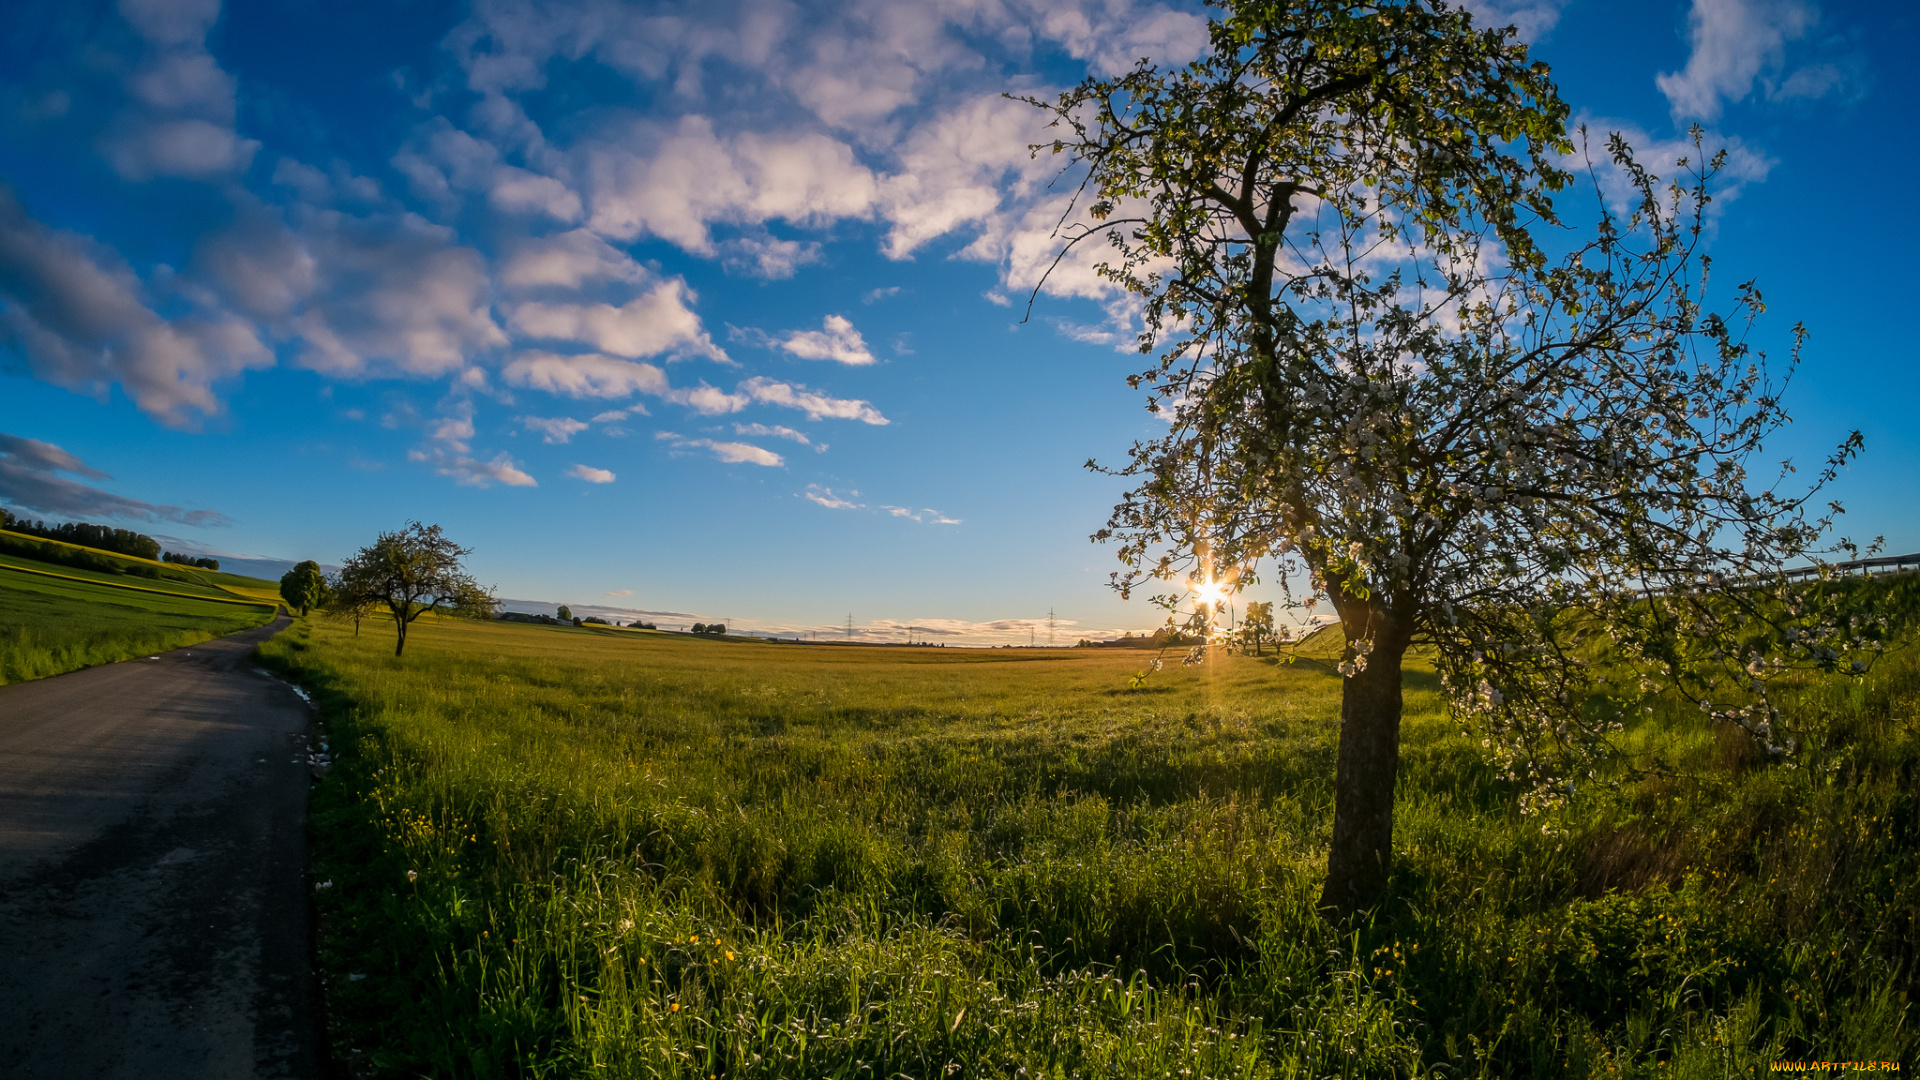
[675, 1007]
[729, 954]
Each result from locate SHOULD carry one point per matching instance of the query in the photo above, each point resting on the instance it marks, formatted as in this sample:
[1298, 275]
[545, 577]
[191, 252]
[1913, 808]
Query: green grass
[52, 625]
[563, 852]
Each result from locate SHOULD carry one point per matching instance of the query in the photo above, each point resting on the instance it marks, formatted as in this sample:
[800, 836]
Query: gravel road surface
[153, 896]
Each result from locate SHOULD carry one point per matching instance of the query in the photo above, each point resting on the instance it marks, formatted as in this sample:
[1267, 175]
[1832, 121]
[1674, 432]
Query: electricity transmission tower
[1049, 628]
[849, 626]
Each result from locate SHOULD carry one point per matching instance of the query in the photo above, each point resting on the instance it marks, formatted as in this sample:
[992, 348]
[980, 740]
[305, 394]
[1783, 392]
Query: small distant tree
[699, 628]
[1258, 623]
[565, 613]
[414, 571]
[303, 587]
[346, 603]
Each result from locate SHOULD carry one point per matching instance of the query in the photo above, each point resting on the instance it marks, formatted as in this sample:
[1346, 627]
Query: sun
[1209, 592]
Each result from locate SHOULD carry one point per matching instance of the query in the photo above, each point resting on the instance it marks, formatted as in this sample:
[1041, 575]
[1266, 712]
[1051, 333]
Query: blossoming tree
[1393, 376]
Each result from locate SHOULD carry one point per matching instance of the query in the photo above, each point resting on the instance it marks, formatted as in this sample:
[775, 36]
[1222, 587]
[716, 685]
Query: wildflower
[624, 925]
[675, 1007]
[322, 885]
[729, 954]
[413, 875]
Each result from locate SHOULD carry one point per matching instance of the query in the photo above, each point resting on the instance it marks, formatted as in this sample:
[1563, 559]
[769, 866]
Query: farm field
[51, 625]
[561, 852]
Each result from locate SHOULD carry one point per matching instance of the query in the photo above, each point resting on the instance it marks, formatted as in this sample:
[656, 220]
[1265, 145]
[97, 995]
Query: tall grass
[559, 852]
[49, 626]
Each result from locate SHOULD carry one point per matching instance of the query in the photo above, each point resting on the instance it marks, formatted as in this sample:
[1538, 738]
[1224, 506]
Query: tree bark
[1362, 850]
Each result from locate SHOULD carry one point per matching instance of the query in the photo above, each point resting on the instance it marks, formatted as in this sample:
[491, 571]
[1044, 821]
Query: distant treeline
[549, 620]
[1160, 639]
[200, 561]
[86, 534]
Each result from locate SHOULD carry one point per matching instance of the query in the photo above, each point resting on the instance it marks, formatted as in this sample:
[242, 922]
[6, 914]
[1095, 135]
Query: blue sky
[714, 309]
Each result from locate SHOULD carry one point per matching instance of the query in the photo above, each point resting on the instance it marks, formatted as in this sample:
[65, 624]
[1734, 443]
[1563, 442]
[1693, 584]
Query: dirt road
[153, 902]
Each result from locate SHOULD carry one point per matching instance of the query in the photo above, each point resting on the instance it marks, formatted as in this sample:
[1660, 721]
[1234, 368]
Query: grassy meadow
[579, 852]
[51, 625]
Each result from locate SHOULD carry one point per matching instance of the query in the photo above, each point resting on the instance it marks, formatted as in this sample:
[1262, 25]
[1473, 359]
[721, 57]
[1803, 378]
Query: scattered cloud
[587, 375]
[472, 473]
[924, 515]
[733, 453]
[449, 452]
[80, 318]
[837, 340]
[177, 117]
[817, 406]
[557, 429]
[875, 295]
[767, 257]
[1533, 18]
[690, 177]
[826, 497]
[591, 475]
[1660, 156]
[777, 431]
[30, 479]
[660, 322]
[620, 592]
[569, 260]
[1738, 45]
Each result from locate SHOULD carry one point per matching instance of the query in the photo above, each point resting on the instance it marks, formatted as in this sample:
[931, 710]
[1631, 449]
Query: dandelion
[675, 1007]
[729, 954]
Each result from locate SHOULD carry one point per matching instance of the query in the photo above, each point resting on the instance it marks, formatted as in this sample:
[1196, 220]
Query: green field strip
[199, 576]
[8, 563]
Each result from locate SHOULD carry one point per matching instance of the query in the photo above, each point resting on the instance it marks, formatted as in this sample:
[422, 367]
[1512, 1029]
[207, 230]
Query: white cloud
[693, 178]
[776, 431]
[817, 406]
[80, 318]
[767, 256]
[593, 476]
[179, 116]
[556, 429]
[1737, 43]
[825, 496]
[1533, 18]
[367, 296]
[1660, 156]
[449, 451]
[568, 260]
[443, 162]
[588, 375]
[612, 416]
[192, 148]
[471, 473]
[924, 516]
[733, 453]
[837, 340]
[660, 321]
[620, 592]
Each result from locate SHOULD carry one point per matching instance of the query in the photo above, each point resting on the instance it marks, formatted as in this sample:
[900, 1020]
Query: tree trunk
[1362, 850]
[400, 642]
